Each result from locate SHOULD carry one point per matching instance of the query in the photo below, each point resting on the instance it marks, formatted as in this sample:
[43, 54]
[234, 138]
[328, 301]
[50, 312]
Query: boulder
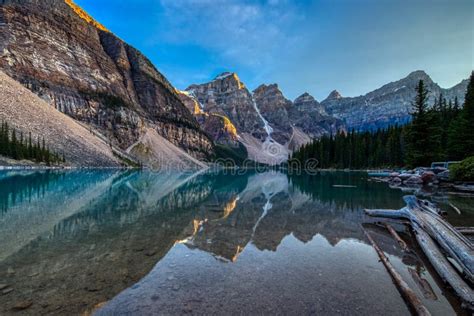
[394, 175]
[443, 176]
[396, 181]
[405, 176]
[428, 177]
[413, 180]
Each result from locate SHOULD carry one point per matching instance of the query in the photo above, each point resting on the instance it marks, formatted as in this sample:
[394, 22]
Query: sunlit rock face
[228, 96]
[388, 105]
[63, 55]
[217, 126]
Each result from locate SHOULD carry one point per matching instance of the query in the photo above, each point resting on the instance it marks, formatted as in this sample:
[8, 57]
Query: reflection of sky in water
[213, 243]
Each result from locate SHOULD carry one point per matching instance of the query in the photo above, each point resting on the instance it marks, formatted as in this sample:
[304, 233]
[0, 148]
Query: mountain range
[82, 70]
[391, 104]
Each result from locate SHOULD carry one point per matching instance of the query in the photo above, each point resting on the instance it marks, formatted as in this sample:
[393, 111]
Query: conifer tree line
[440, 132]
[16, 146]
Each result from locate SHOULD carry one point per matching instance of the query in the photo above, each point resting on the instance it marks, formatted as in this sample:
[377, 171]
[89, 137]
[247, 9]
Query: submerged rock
[6, 291]
[22, 305]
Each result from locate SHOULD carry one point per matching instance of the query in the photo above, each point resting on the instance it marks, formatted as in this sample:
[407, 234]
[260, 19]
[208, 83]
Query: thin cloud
[246, 33]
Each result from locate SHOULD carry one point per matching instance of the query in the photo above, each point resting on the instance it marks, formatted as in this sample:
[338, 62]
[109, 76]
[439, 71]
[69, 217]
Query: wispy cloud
[249, 33]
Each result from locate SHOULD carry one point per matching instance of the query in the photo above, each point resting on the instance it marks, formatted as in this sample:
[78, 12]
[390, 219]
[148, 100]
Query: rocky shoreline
[418, 178]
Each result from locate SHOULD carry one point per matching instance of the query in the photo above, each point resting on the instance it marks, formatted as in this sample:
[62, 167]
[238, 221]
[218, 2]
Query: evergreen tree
[20, 148]
[421, 142]
[461, 131]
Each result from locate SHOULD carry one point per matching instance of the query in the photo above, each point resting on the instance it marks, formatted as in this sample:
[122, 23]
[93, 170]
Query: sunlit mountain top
[85, 16]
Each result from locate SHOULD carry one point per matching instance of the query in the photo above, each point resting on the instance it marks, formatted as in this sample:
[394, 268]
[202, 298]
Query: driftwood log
[402, 286]
[439, 240]
[395, 235]
[465, 230]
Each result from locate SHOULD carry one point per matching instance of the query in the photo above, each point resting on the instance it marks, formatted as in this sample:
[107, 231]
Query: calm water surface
[115, 242]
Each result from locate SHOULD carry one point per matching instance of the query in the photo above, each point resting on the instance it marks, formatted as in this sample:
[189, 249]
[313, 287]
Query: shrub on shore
[463, 171]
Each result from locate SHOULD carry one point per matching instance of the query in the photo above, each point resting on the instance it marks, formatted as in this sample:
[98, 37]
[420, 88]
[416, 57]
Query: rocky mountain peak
[112, 87]
[334, 95]
[271, 89]
[419, 75]
[84, 15]
[305, 98]
[307, 103]
[232, 78]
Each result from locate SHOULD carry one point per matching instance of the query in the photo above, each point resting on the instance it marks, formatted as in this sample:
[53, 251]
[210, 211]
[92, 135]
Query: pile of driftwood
[449, 252]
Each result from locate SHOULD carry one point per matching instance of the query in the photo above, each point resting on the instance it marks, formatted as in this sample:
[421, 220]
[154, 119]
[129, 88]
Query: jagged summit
[307, 103]
[230, 76]
[334, 95]
[224, 75]
[305, 98]
[85, 16]
[418, 75]
[273, 88]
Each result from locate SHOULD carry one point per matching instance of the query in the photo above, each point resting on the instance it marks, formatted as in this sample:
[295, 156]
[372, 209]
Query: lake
[135, 242]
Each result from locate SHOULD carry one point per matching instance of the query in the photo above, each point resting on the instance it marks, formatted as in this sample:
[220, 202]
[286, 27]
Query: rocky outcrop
[86, 72]
[388, 105]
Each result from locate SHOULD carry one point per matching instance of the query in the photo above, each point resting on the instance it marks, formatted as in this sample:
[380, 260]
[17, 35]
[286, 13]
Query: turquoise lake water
[143, 243]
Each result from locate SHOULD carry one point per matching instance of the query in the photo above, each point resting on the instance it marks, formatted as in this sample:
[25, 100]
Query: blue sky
[304, 46]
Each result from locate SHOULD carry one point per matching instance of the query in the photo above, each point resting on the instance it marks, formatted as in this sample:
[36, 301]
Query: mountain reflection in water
[169, 243]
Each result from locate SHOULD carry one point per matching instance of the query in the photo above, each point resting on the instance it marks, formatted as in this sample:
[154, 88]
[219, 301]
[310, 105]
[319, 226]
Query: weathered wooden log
[455, 208]
[456, 245]
[444, 268]
[429, 227]
[465, 230]
[422, 283]
[395, 235]
[394, 214]
[407, 293]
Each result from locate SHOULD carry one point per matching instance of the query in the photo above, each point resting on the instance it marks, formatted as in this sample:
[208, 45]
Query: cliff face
[274, 108]
[83, 70]
[227, 95]
[217, 126]
[388, 105]
[29, 115]
[308, 115]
